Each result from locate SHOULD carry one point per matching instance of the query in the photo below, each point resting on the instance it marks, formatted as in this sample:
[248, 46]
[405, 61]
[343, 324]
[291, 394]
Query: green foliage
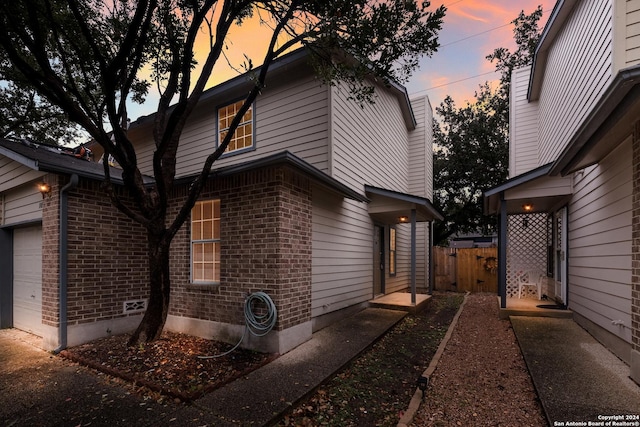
[471, 151]
[25, 115]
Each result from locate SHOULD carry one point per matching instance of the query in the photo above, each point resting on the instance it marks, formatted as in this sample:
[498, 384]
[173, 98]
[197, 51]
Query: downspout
[413, 257]
[63, 252]
[431, 266]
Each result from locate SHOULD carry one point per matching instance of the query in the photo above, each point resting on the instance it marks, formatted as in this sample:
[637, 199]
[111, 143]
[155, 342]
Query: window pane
[205, 230]
[243, 137]
[197, 252]
[196, 213]
[209, 252]
[216, 229]
[196, 231]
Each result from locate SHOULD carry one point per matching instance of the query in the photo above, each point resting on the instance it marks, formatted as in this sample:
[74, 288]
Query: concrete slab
[401, 301]
[577, 379]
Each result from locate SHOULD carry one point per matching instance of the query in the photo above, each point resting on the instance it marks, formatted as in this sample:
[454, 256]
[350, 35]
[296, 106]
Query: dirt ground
[481, 378]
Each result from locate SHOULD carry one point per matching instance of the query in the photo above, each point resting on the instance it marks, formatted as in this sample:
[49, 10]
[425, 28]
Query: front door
[378, 260]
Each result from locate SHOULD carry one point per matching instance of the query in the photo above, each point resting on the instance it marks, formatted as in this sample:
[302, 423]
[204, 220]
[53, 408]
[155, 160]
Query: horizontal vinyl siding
[579, 69]
[342, 244]
[22, 204]
[370, 143]
[291, 116]
[420, 178]
[632, 33]
[523, 126]
[13, 174]
[600, 243]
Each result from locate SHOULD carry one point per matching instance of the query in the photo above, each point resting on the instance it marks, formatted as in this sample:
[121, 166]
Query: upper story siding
[289, 115]
[631, 33]
[374, 144]
[523, 126]
[421, 149]
[578, 70]
[369, 142]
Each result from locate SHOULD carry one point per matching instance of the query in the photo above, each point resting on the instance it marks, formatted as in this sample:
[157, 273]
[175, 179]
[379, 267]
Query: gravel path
[481, 379]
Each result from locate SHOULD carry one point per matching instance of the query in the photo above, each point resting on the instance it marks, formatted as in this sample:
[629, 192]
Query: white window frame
[199, 240]
[232, 148]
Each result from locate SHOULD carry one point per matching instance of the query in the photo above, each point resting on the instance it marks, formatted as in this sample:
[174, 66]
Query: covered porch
[389, 209]
[532, 242]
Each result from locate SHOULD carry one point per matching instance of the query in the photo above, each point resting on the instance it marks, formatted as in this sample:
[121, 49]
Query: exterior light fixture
[528, 207]
[423, 382]
[44, 188]
[403, 218]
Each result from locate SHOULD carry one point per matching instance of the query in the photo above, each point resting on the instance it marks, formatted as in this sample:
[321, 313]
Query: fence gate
[466, 269]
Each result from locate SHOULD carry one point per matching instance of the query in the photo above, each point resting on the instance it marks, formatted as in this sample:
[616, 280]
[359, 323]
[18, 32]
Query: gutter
[63, 253]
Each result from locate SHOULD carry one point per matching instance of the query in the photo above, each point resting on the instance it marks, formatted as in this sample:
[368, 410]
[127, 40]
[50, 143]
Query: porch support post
[413, 256]
[431, 269]
[502, 253]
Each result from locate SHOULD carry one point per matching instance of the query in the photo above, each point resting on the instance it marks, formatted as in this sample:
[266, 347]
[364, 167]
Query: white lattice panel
[526, 248]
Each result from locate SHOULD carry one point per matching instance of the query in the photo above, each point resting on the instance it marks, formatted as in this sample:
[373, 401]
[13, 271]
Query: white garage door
[27, 279]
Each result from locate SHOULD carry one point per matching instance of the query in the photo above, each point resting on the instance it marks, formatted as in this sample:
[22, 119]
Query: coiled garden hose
[258, 325]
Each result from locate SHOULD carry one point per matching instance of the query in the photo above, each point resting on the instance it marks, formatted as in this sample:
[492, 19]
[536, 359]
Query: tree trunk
[152, 323]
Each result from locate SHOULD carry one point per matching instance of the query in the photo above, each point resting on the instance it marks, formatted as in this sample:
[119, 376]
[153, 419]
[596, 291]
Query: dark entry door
[378, 260]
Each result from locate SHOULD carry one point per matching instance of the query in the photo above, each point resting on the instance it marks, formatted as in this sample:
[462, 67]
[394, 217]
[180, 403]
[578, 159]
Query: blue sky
[472, 30]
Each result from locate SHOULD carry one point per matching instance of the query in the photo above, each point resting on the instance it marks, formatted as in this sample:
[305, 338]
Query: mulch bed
[171, 365]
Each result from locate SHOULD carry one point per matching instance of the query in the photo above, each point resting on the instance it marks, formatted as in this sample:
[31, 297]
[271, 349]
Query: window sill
[213, 286]
[238, 152]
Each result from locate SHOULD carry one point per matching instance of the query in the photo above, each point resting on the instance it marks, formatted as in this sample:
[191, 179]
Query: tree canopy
[88, 59]
[471, 152]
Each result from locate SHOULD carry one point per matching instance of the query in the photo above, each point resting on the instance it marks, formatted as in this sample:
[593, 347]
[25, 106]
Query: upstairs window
[205, 242]
[243, 136]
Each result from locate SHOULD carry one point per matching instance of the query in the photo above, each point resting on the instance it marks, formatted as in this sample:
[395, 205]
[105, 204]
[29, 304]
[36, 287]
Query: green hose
[258, 325]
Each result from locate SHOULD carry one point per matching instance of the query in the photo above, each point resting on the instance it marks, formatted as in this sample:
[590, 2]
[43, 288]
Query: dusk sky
[472, 30]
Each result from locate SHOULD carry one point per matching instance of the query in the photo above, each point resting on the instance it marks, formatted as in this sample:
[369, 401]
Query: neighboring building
[570, 208]
[314, 203]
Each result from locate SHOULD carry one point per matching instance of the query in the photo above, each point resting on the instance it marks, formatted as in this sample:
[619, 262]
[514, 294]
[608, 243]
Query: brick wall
[107, 262]
[265, 246]
[50, 246]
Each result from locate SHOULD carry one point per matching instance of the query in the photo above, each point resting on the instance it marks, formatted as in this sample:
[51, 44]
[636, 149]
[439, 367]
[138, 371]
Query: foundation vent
[134, 306]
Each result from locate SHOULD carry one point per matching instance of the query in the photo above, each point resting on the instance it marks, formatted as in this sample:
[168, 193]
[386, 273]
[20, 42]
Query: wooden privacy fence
[466, 269]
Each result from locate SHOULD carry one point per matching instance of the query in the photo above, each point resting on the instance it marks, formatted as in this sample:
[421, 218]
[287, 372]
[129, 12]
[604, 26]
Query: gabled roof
[282, 68]
[52, 159]
[388, 205]
[288, 159]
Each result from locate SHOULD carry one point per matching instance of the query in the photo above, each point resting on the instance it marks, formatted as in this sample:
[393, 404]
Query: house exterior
[570, 207]
[319, 202]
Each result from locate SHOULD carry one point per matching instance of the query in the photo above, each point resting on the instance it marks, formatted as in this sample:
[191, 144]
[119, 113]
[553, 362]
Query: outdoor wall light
[528, 207]
[44, 188]
[423, 382]
[403, 219]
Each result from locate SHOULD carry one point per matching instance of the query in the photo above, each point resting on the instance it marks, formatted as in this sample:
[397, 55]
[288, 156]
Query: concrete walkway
[577, 379]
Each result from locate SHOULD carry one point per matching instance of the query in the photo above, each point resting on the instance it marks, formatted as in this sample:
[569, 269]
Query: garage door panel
[27, 279]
